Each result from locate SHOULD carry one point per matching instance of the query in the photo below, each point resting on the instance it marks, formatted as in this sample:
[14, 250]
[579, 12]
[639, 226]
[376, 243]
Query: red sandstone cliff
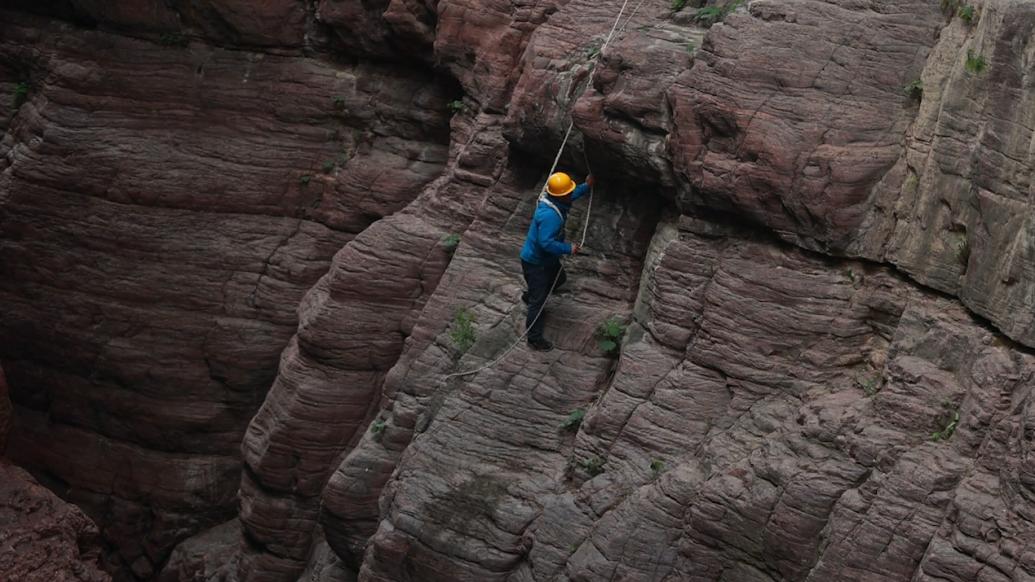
[228, 306]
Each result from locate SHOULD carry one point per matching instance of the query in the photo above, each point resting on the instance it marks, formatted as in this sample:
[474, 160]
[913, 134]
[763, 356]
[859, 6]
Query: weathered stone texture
[44, 539]
[206, 557]
[819, 273]
[200, 192]
[5, 411]
[955, 212]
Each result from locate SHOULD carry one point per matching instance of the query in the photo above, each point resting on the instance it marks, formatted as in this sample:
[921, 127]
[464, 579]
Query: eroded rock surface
[818, 271]
[42, 537]
[202, 191]
[5, 411]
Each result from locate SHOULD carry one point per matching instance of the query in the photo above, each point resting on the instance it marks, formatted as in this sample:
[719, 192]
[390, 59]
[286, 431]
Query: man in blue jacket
[544, 245]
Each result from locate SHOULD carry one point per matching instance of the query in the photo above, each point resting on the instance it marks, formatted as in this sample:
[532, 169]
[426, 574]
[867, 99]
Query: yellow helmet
[560, 184]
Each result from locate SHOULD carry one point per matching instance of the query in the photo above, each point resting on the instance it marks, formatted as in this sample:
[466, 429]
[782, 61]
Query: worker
[544, 245]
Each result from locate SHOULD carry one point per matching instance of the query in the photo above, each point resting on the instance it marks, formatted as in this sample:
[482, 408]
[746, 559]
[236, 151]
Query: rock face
[227, 228]
[5, 411]
[203, 191]
[44, 538]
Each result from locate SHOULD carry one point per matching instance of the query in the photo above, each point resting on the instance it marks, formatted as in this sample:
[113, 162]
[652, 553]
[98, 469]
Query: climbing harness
[542, 197]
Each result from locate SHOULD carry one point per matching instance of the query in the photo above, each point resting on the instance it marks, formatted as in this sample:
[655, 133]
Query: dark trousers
[539, 279]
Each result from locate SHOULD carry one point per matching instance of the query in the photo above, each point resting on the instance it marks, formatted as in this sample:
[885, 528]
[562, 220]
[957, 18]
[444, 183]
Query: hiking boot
[540, 345]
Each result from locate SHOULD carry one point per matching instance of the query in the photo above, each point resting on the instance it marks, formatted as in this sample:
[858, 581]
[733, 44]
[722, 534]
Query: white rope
[557, 277]
[614, 27]
[520, 338]
[631, 16]
[560, 151]
[589, 205]
[585, 229]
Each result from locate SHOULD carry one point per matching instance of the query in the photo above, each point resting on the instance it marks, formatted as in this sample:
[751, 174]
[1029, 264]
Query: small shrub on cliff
[593, 465]
[911, 184]
[21, 94]
[609, 336]
[966, 13]
[854, 278]
[870, 385]
[950, 419]
[339, 102]
[450, 242]
[963, 252]
[975, 63]
[678, 5]
[455, 106]
[327, 166]
[657, 466]
[462, 333]
[593, 50]
[709, 15]
[574, 420]
[914, 90]
[305, 179]
[377, 427]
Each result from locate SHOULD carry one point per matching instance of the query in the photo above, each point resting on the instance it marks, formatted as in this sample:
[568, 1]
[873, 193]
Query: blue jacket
[545, 241]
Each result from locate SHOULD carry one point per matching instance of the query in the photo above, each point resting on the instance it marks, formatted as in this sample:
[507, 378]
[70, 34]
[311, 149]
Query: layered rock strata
[165, 208]
[811, 220]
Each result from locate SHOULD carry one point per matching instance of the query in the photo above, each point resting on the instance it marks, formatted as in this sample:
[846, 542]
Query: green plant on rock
[462, 333]
[609, 335]
[691, 48]
[455, 106]
[963, 252]
[450, 242]
[975, 63]
[678, 5]
[339, 102]
[574, 420]
[593, 50]
[949, 421]
[21, 94]
[911, 184]
[914, 90]
[855, 278]
[870, 385]
[708, 16]
[305, 179]
[657, 466]
[327, 166]
[967, 13]
[377, 427]
[593, 465]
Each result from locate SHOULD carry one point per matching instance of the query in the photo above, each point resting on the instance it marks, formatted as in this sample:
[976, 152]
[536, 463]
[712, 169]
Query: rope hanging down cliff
[553, 167]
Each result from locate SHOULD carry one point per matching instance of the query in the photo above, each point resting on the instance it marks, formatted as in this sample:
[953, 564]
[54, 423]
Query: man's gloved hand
[575, 248]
